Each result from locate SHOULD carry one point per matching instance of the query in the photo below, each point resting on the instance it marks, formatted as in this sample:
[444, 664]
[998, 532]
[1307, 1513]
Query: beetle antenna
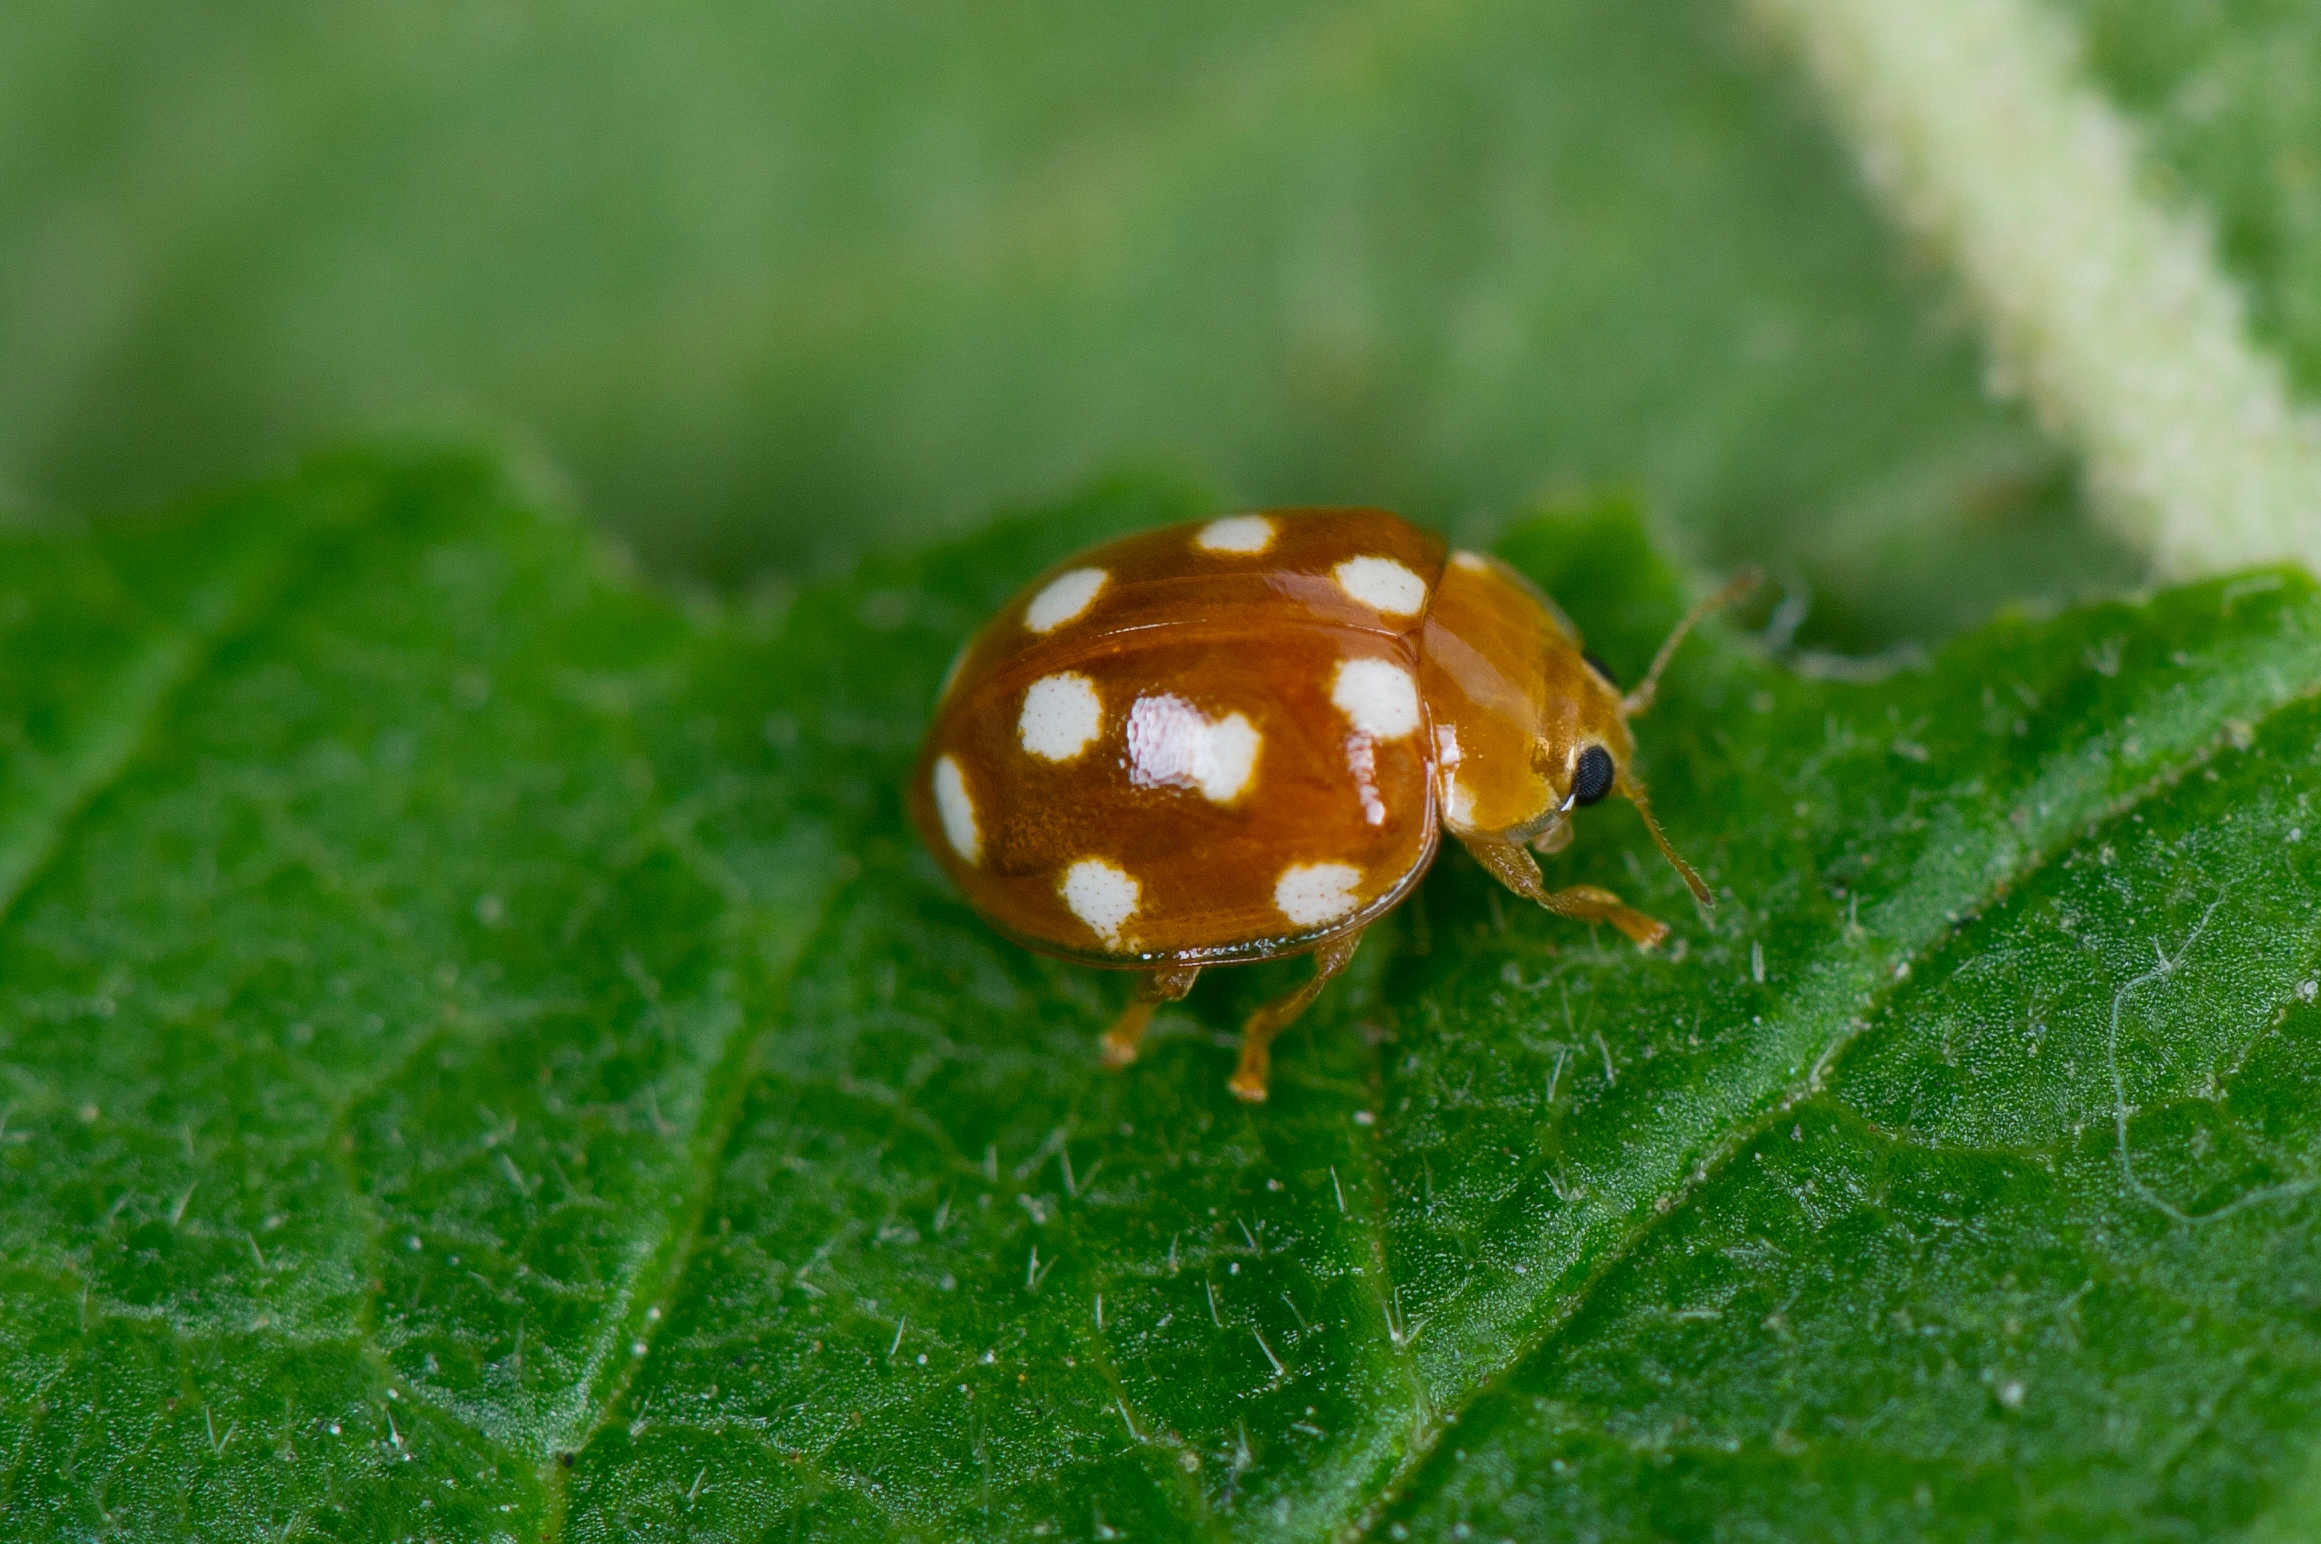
[1640, 699]
[1635, 792]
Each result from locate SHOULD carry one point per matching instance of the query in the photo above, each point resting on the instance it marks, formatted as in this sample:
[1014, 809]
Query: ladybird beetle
[1237, 739]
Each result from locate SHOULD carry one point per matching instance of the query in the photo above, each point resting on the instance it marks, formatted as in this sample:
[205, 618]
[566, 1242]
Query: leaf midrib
[657, 1266]
[662, 1263]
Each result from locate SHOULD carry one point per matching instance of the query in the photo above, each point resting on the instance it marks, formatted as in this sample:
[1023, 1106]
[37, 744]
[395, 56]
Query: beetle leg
[1509, 864]
[1249, 1078]
[1586, 903]
[1519, 872]
[1127, 1031]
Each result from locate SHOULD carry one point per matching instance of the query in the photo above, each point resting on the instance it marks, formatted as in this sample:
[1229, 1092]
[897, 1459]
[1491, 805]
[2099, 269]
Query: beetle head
[1583, 750]
[1583, 753]
[1547, 692]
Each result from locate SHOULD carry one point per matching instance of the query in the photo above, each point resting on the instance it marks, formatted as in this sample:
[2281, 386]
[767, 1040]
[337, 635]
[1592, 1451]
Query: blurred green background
[774, 284]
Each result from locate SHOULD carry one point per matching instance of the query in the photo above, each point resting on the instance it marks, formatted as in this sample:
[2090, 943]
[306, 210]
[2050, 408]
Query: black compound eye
[1592, 778]
[1603, 670]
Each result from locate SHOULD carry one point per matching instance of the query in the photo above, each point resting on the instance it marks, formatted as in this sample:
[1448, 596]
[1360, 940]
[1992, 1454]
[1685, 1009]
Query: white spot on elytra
[1061, 714]
[1472, 562]
[1362, 761]
[1063, 598]
[1244, 534]
[1382, 583]
[1172, 745]
[1458, 798]
[957, 810]
[1310, 894]
[1101, 894]
[1377, 696]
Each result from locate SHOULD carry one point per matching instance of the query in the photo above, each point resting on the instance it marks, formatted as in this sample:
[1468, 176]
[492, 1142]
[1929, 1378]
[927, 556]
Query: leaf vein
[2026, 857]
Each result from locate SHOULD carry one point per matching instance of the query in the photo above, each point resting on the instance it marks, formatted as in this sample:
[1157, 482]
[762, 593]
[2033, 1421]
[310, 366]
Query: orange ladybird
[1236, 740]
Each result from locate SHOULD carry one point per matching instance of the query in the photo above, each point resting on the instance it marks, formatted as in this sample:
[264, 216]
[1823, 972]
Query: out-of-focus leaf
[780, 283]
[2228, 101]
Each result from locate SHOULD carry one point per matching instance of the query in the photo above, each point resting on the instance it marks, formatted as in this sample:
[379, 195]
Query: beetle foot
[1126, 1034]
[1249, 1079]
[1587, 903]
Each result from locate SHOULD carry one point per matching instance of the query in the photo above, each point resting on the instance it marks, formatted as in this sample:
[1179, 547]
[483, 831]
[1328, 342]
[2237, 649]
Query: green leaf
[481, 1055]
[780, 283]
